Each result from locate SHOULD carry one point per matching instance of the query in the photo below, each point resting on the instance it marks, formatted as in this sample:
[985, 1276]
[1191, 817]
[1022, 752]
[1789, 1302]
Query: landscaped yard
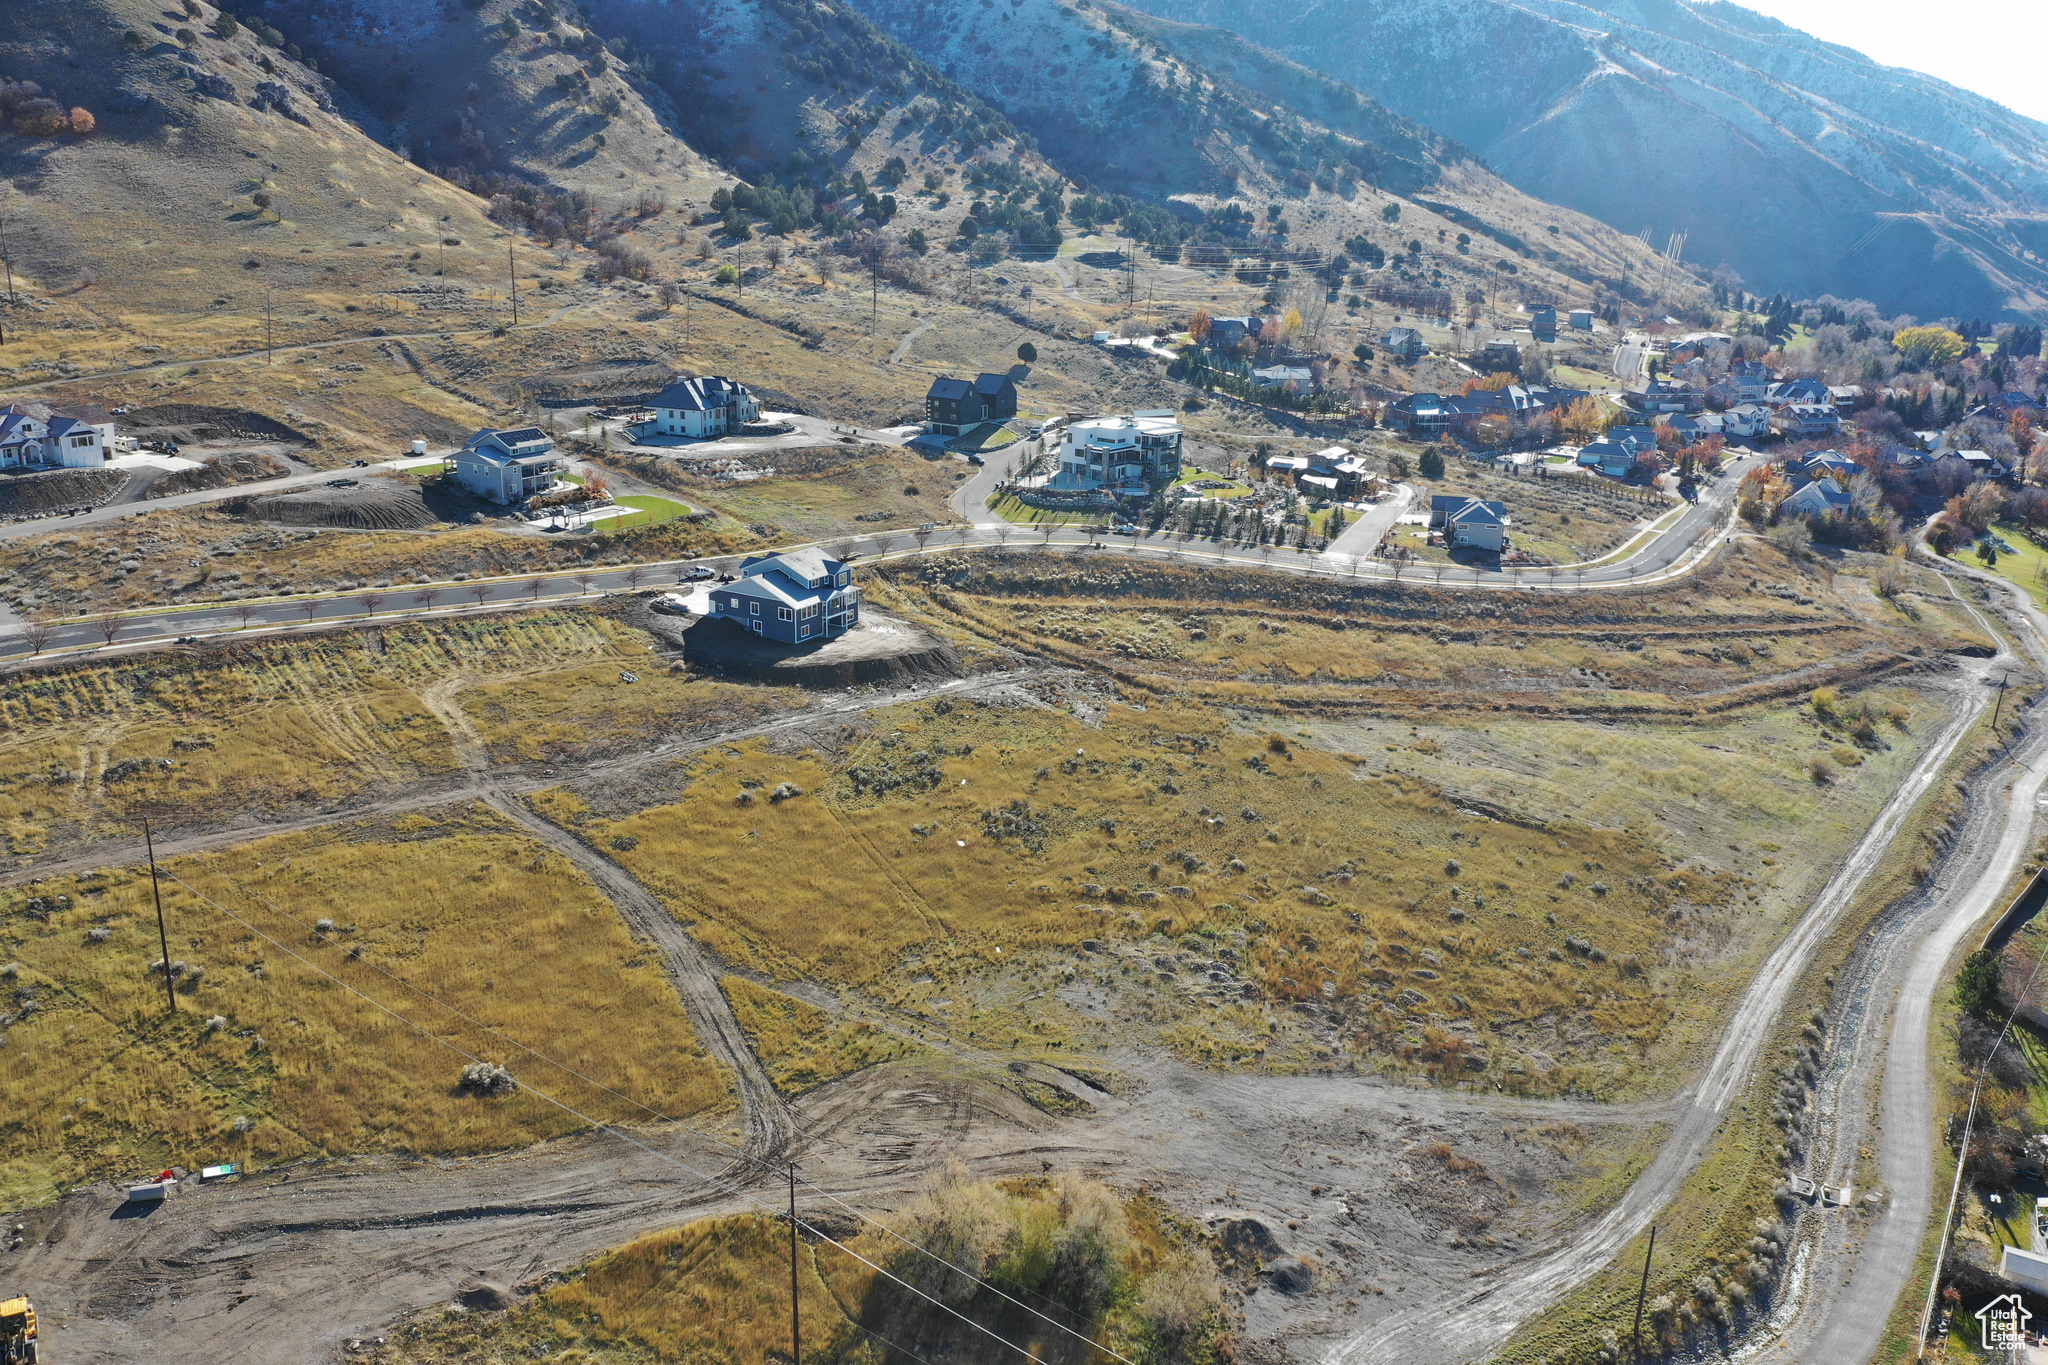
[2027, 565]
[647, 510]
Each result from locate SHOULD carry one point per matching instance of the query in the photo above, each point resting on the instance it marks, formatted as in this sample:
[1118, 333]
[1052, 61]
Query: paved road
[115, 511]
[1848, 1279]
[1670, 554]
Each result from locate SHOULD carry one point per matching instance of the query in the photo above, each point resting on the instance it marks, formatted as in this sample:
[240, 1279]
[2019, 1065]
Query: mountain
[1800, 165]
[1191, 125]
[613, 97]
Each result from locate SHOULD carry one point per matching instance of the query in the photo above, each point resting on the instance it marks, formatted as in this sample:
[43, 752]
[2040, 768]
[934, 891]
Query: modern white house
[507, 466]
[705, 405]
[33, 436]
[1126, 454]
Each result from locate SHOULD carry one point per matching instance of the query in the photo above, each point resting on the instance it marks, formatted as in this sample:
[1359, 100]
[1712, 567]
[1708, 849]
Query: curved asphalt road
[1671, 552]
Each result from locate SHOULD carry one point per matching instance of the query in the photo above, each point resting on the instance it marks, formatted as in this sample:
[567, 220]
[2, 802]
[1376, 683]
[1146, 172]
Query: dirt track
[1332, 1166]
[1337, 1157]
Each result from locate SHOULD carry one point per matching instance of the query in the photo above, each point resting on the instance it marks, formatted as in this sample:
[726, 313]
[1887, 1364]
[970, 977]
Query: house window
[754, 608]
[804, 633]
[785, 614]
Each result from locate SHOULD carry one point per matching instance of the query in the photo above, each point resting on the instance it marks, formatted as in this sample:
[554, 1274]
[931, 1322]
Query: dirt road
[1479, 1320]
[1850, 1273]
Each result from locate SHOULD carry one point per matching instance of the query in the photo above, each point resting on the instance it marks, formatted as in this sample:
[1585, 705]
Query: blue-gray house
[796, 597]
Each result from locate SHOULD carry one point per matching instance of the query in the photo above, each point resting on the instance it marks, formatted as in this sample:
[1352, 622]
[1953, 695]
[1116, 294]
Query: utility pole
[2001, 702]
[512, 271]
[7, 257]
[267, 334]
[874, 286]
[796, 1322]
[163, 938]
[1642, 1291]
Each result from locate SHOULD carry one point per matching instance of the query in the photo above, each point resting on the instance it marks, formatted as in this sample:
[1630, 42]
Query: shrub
[1027, 353]
[1824, 700]
[486, 1079]
[1822, 771]
[728, 274]
[625, 843]
[1977, 983]
[1431, 464]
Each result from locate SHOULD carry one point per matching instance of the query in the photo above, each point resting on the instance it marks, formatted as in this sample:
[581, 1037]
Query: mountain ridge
[1799, 164]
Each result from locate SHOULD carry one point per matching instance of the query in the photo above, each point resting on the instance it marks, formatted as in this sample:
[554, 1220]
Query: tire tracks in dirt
[1481, 1320]
[764, 1115]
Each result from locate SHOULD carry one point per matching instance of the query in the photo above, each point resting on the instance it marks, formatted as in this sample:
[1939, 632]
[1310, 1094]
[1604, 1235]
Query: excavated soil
[882, 649]
[190, 424]
[220, 471]
[58, 490]
[374, 504]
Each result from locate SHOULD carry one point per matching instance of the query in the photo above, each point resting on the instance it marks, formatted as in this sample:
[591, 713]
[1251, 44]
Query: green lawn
[647, 511]
[1572, 377]
[986, 437]
[2027, 565]
[1236, 489]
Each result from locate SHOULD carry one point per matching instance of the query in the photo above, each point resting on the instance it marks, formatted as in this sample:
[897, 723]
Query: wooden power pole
[1636, 1337]
[512, 270]
[796, 1322]
[163, 938]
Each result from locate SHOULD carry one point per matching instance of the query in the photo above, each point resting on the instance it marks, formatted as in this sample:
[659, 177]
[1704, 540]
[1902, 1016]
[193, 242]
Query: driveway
[1362, 535]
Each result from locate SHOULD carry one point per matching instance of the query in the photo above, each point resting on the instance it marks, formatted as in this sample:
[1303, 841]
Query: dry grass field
[240, 733]
[1754, 627]
[198, 554]
[804, 1046]
[266, 1060]
[1037, 881]
[818, 497]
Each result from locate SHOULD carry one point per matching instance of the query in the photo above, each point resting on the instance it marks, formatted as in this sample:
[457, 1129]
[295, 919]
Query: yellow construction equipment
[17, 1332]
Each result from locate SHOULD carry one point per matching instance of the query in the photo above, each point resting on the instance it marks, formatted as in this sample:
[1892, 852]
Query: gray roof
[699, 393]
[947, 387]
[786, 577]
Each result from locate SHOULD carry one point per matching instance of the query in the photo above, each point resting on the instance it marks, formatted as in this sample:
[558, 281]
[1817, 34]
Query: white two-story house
[33, 436]
[703, 405]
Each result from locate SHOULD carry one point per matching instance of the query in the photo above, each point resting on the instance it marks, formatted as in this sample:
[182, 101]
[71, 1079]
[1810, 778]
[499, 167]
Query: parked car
[976, 460]
[697, 571]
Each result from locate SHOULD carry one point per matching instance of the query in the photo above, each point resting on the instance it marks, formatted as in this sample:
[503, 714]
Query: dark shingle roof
[947, 387]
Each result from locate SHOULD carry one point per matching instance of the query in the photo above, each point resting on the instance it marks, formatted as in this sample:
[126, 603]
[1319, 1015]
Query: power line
[623, 1136]
[739, 1153]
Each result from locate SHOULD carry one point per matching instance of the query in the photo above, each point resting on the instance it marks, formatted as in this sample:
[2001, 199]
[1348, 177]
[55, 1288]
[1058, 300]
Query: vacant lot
[1755, 627]
[200, 554]
[1037, 881]
[267, 1059]
[240, 733]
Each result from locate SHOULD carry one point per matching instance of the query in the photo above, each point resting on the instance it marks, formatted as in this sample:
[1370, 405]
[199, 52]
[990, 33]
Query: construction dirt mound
[57, 491]
[882, 649]
[190, 424]
[374, 504]
[220, 471]
[609, 381]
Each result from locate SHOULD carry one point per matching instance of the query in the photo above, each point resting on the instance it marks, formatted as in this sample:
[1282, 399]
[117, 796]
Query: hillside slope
[1801, 165]
[615, 98]
[1190, 119]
